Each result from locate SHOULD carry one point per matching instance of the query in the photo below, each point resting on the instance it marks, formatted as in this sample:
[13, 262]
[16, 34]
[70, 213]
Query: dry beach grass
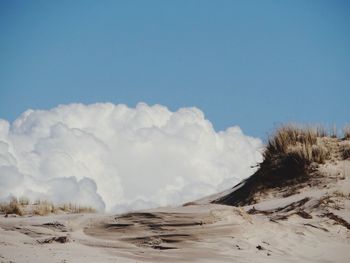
[291, 157]
[23, 206]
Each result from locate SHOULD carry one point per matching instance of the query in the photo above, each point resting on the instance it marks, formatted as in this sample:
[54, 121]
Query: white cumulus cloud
[118, 158]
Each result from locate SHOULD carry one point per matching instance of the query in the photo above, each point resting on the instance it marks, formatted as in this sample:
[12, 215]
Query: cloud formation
[118, 158]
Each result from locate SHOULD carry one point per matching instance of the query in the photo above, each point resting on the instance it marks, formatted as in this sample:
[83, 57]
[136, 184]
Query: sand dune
[208, 233]
[304, 221]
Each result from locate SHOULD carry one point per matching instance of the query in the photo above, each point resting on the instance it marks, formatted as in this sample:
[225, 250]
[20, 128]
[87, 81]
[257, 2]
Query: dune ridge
[295, 208]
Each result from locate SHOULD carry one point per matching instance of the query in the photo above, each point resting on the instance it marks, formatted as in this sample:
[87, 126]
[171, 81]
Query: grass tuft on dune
[292, 156]
[296, 147]
[346, 131]
[23, 206]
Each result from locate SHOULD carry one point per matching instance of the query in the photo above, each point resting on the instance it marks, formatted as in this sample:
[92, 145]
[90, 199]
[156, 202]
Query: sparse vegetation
[23, 201]
[346, 132]
[291, 158]
[42, 208]
[76, 209]
[23, 206]
[345, 151]
[292, 145]
[11, 207]
[334, 132]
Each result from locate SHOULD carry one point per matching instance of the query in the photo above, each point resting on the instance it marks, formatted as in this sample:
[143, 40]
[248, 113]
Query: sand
[205, 233]
[311, 225]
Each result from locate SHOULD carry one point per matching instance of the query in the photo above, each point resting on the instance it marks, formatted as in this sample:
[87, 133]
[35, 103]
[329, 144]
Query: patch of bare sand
[203, 233]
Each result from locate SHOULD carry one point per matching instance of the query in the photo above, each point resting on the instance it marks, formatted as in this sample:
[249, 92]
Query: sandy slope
[206, 233]
[309, 224]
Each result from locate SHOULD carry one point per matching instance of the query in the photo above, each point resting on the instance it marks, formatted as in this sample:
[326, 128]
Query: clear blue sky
[250, 63]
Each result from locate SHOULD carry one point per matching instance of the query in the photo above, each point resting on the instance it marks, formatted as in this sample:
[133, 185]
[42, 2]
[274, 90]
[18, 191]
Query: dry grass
[345, 151]
[42, 208]
[23, 206]
[291, 156]
[346, 132]
[23, 201]
[76, 209]
[334, 132]
[11, 207]
[296, 144]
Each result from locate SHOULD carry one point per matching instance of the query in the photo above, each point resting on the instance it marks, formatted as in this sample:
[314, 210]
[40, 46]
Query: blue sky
[249, 63]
